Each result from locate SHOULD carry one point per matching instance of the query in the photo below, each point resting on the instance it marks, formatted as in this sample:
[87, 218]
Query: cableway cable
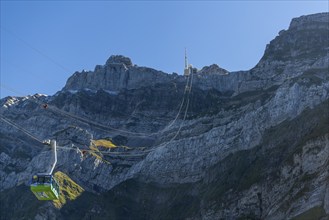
[35, 49]
[102, 127]
[20, 128]
[107, 128]
[99, 125]
[118, 154]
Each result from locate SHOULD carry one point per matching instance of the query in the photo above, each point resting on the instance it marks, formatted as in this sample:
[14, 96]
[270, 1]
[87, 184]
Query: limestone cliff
[254, 144]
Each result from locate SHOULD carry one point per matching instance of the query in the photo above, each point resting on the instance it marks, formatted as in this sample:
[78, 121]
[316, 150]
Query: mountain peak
[119, 59]
[313, 21]
[243, 145]
[306, 39]
[214, 68]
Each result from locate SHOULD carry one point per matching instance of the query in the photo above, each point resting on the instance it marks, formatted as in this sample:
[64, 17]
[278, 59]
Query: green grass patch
[103, 143]
[69, 190]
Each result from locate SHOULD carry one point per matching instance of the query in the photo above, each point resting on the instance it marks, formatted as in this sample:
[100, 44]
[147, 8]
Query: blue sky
[45, 42]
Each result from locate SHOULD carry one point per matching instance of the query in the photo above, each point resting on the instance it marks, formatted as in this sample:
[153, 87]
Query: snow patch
[72, 91]
[111, 92]
[37, 95]
[11, 101]
[89, 90]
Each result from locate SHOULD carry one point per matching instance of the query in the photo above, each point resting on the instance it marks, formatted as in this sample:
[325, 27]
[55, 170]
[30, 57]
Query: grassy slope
[69, 190]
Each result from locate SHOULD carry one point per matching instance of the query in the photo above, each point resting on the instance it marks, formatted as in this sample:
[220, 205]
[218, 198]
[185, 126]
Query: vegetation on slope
[102, 143]
[69, 190]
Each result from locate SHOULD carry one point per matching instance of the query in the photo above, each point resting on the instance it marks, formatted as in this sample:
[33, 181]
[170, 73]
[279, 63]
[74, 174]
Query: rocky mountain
[245, 145]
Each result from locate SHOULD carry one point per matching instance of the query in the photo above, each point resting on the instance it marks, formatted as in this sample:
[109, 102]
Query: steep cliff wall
[254, 144]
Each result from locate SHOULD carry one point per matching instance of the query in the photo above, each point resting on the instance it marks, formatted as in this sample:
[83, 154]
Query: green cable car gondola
[44, 186]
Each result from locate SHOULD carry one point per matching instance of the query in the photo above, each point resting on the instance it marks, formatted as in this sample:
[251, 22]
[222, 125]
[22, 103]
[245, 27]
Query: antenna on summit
[187, 68]
[186, 63]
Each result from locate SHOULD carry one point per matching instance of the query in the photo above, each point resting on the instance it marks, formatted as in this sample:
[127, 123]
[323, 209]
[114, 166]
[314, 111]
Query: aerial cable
[136, 134]
[61, 147]
[186, 109]
[21, 129]
[118, 154]
[57, 110]
[109, 153]
[179, 111]
[103, 127]
[35, 49]
[106, 128]
[87, 120]
[27, 72]
[181, 125]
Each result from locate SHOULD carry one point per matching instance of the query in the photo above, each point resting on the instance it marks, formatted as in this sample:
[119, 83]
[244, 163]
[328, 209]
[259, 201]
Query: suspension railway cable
[107, 128]
[20, 128]
[96, 124]
[188, 88]
[118, 154]
[186, 109]
[99, 126]
[35, 49]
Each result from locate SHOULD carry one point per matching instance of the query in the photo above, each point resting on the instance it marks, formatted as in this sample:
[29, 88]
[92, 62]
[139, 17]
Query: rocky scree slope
[255, 144]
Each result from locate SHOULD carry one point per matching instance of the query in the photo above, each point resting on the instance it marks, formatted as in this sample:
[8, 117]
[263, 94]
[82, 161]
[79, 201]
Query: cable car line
[138, 134]
[102, 127]
[35, 49]
[21, 129]
[185, 113]
[119, 154]
[45, 185]
[109, 153]
[187, 89]
[104, 152]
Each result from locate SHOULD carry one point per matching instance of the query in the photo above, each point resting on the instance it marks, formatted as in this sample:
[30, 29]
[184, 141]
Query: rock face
[253, 145]
[213, 69]
[310, 22]
[117, 74]
[119, 60]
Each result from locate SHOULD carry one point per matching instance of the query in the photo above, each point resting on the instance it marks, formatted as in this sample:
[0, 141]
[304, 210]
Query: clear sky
[45, 42]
